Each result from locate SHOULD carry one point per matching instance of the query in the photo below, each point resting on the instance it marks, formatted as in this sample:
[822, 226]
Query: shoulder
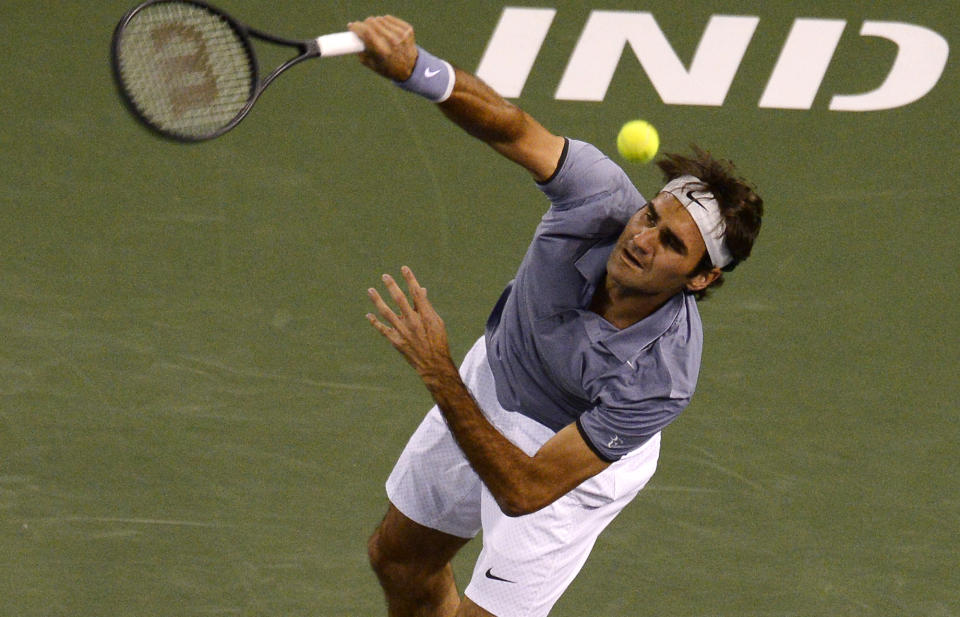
[678, 351]
[665, 359]
[651, 388]
[584, 172]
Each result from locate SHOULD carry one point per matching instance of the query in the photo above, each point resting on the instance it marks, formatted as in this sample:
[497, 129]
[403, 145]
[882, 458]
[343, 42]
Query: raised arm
[391, 51]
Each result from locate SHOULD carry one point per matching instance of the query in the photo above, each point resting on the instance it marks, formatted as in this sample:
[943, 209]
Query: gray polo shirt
[557, 362]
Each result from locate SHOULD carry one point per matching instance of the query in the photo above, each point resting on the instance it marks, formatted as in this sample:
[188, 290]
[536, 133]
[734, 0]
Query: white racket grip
[339, 44]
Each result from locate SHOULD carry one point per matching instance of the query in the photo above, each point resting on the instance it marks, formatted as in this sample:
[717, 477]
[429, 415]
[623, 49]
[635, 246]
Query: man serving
[552, 423]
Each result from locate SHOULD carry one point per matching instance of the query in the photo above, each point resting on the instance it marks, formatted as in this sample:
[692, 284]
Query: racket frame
[307, 49]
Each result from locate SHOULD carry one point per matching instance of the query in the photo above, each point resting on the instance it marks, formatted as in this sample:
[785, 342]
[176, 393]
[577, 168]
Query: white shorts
[526, 562]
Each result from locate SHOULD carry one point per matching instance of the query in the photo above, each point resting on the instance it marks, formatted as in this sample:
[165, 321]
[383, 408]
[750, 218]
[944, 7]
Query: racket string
[185, 69]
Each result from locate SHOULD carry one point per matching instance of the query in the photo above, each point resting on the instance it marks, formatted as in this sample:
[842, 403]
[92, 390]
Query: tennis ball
[638, 141]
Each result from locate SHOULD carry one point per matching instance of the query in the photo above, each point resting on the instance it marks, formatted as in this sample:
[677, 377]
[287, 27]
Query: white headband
[705, 210]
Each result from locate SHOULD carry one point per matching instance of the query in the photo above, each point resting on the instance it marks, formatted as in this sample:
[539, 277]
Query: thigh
[469, 609]
[399, 539]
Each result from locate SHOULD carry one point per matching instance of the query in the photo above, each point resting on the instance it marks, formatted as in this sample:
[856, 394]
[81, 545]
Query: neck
[624, 308]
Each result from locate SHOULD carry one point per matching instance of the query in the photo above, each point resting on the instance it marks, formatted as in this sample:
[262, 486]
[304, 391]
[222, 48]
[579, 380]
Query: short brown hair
[740, 206]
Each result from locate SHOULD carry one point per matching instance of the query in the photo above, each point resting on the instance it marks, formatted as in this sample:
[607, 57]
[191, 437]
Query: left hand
[418, 332]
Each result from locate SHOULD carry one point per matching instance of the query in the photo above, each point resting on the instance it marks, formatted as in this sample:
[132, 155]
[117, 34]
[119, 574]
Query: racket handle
[339, 44]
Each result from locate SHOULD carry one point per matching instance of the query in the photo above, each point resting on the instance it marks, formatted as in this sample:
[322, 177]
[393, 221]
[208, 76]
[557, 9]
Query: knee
[390, 546]
[389, 566]
[403, 553]
[376, 554]
[398, 570]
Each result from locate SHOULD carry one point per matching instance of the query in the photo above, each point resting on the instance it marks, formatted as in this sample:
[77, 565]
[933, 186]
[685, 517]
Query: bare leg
[469, 609]
[413, 565]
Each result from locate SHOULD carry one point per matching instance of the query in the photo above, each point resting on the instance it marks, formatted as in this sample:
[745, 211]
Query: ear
[699, 282]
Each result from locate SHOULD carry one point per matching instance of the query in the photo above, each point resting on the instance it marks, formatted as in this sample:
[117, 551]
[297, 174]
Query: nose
[645, 240]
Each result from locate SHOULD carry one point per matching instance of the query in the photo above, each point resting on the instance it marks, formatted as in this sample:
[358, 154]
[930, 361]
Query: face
[657, 250]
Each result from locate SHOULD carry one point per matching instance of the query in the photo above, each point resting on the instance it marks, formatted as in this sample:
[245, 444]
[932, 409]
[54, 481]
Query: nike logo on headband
[708, 218]
[692, 198]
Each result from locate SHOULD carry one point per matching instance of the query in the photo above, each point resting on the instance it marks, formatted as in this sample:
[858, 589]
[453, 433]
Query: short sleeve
[586, 175]
[615, 432]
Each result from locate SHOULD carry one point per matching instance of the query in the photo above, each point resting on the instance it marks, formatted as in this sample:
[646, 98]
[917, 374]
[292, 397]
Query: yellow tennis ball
[638, 141]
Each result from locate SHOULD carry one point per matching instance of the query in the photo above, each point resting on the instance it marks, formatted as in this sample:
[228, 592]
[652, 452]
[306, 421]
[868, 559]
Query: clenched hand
[390, 46]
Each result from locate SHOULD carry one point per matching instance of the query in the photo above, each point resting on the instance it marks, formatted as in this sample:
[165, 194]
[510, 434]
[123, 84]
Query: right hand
[390, 47]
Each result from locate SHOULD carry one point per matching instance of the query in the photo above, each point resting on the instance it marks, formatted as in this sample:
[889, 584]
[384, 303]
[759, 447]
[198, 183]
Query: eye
[673, 242]
[650, 219]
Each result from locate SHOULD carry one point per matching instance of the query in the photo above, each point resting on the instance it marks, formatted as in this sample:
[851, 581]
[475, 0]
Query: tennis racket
[188, 71]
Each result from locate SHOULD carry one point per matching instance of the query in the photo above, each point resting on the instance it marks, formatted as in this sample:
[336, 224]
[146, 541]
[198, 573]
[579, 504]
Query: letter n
[714, 65]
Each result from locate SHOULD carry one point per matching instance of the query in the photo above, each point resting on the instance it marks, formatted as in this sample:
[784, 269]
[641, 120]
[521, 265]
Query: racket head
[184, 68]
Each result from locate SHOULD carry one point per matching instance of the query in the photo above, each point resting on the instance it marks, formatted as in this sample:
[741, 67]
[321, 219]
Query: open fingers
[391, 334]
[383, 308]
[407, 311]
[398, 297]
[418, 293]
[401, 323]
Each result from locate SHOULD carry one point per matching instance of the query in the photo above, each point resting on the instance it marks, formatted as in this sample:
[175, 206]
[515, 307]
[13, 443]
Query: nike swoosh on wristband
[489, 574]
[428, 73]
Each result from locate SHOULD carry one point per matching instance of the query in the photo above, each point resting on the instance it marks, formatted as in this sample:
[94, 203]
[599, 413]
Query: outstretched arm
[473, 105]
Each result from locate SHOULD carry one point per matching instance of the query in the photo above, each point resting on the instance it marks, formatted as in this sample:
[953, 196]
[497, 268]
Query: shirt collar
[624, 344]
[592, 265]
[627, 343]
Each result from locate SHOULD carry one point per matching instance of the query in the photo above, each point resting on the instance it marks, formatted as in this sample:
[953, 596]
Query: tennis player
[552, 424]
